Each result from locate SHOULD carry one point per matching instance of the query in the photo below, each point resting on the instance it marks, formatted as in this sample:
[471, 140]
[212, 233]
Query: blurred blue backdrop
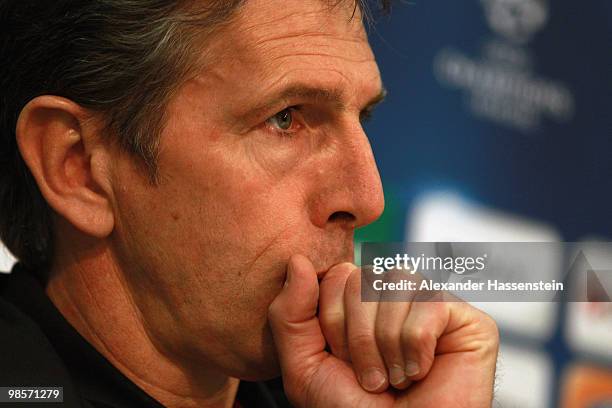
[498, 126]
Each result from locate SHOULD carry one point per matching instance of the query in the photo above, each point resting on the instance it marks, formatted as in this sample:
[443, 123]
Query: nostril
[342, 216]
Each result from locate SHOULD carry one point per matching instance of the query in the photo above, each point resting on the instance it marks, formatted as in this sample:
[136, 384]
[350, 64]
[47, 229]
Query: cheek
[215, 211]
[225, 200]
[215, 234]
[214, 243]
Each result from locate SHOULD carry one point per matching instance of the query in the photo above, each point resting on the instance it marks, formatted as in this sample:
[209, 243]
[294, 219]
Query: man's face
[263, 157]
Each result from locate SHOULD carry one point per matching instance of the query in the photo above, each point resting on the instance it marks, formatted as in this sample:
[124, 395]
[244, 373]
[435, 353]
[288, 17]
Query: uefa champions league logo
[502, 83]
[516, 20]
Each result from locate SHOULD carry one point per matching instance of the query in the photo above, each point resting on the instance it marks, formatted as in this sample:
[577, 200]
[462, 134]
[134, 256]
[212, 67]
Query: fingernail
[372, 379]
[396, 375]
[412, 368]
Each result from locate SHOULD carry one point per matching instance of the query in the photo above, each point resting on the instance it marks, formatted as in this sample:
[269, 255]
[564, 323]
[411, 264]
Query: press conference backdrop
[498, 126]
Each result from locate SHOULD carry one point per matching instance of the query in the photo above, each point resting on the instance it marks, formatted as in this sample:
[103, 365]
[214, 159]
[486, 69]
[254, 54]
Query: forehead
[269, 21]
[270, 41]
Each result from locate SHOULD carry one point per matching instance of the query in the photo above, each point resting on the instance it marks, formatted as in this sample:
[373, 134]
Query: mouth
[325, 260]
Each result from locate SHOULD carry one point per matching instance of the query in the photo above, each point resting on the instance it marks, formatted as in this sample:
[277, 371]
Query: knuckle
[332, 320]
[417, 337]
[386, 338]
[489, 327]
[485, 333]
[438, 309]
[490, 324]
[361, 341]
[486, 324]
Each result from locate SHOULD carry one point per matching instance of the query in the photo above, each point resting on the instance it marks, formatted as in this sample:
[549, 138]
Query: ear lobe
[58, 144]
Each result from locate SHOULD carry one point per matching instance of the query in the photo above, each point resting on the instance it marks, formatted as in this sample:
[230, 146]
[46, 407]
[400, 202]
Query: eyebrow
[333, 96]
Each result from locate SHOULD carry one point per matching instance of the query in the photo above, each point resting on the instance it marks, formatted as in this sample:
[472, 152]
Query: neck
[92, 295]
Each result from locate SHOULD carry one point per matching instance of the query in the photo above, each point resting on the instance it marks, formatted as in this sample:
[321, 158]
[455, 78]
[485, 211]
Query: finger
[425, 323]
[360, 322]
[465, 358]
[392, 313]
[331, 308]
[292, 316]
[465, 328]
[389, 323]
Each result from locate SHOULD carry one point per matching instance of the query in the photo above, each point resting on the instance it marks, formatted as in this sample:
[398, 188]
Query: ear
[59, 142]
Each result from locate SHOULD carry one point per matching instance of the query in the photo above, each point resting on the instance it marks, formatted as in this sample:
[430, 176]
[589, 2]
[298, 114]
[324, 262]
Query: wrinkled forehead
[265, 26]
[270, 45]
[340, 17]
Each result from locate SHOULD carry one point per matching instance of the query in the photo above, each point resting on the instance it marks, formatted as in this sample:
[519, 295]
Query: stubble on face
[236, 200]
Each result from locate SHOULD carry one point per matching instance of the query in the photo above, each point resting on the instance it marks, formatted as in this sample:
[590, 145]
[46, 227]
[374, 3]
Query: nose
[350, 192]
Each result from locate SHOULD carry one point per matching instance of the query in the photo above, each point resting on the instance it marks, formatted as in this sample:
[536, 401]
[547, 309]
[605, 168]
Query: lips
[325, 256]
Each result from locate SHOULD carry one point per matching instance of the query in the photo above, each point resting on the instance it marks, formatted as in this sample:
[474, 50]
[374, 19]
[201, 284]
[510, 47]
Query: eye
[283, 121]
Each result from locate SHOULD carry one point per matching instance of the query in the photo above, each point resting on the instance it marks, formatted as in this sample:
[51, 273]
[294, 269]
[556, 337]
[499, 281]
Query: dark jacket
[38, 347]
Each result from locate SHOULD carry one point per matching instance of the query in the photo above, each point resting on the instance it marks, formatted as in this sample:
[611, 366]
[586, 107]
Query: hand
[451, 347]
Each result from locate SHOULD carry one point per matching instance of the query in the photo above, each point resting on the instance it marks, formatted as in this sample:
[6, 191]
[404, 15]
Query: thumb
[292, 316]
